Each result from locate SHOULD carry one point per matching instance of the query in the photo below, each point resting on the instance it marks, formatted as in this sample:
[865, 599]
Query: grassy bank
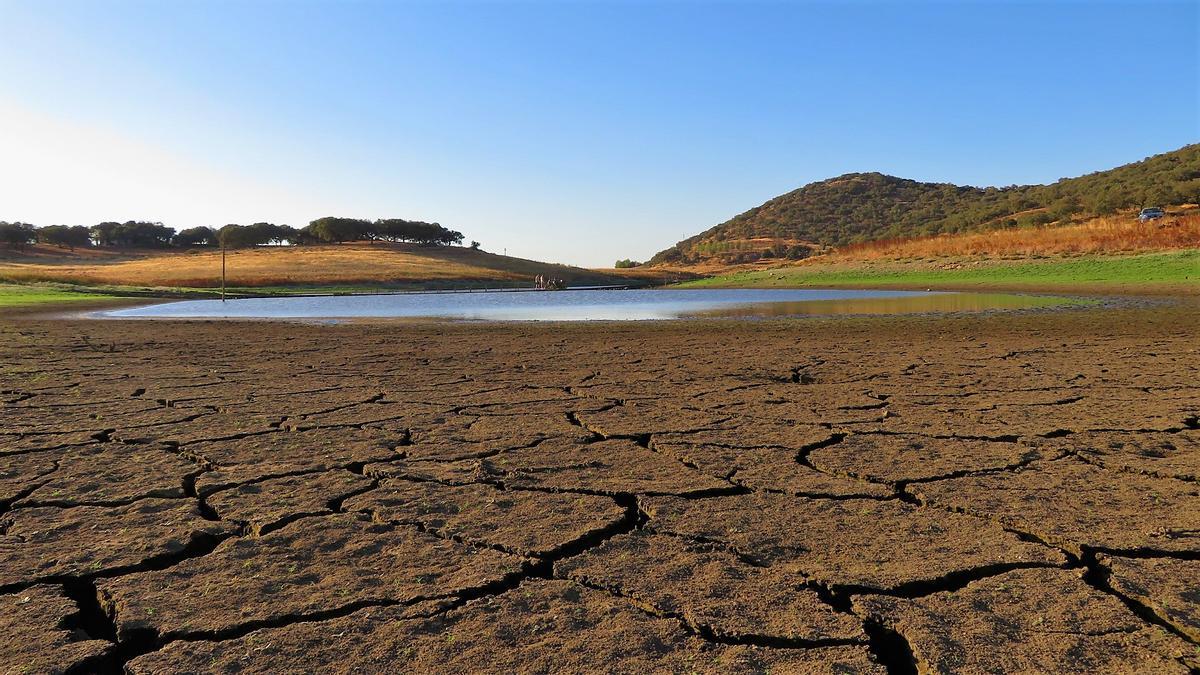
[15, 296]
[1174, 272]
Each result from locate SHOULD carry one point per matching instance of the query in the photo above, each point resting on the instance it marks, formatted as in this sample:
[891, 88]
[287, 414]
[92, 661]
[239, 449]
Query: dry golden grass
[1112, 234]
[360, 263]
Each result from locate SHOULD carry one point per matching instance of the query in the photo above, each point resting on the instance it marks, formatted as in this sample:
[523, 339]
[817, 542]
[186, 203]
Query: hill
[349, 264]
[861, 207]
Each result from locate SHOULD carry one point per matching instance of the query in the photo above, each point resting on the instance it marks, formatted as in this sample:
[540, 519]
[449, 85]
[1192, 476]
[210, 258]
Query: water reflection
[592, 305]
[912, 304]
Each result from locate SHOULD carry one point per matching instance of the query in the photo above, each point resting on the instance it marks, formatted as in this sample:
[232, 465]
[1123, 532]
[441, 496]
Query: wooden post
[222, 272]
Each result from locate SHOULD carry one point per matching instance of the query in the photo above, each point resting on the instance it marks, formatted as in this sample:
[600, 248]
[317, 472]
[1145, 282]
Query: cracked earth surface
[1009, 493]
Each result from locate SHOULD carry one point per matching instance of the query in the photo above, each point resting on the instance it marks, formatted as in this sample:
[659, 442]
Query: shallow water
[591, 305]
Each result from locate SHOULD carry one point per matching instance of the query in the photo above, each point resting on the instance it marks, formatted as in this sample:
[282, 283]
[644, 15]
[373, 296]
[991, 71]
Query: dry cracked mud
[1166, 586]
[538, 627]
[1028, 621]
[712, 590]
[50, 542]
[1166, 455]
[850, 543]
[1009, 493]
[523, 523]
[1076, 505]
[308, 568]
[39, 637]
[904, 458]
[268, 504]
[110, 474]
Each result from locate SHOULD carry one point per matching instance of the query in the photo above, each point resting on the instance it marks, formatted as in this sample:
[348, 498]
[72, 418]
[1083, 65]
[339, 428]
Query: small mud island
[1013, 491]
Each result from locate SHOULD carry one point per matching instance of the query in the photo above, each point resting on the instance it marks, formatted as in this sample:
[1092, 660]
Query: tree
[17, 235]
[134, 234]
[64, 236]
[304, 237]
[269, 233]
[195, 236]
[236, 236]
[144, 234]
[415, 231]
[105, 233]
[335, 229]
[448, 237]
[474, 246]
[626, 263]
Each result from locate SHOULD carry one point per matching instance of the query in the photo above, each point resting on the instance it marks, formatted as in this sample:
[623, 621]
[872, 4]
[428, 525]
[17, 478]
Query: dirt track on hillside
[1013, 493]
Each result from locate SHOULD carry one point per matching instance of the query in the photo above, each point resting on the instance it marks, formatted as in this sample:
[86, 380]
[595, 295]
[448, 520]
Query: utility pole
[222, 271]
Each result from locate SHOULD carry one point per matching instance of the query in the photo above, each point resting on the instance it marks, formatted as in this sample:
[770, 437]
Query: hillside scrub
[860, 207]
[1110, 234]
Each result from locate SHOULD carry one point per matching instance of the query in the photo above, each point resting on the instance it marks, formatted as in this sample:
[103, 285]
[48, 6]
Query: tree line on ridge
[141, 234]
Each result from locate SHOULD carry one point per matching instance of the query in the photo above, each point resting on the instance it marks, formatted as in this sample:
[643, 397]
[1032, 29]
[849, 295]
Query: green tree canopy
[65, 236]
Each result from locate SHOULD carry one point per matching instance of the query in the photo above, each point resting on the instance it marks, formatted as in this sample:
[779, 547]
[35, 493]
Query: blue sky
[567, 131]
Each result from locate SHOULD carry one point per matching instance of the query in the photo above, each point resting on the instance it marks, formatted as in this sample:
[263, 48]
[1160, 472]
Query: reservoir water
[590, 305]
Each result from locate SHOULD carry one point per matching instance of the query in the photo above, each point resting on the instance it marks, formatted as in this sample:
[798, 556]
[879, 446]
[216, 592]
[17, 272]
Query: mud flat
[969, 494]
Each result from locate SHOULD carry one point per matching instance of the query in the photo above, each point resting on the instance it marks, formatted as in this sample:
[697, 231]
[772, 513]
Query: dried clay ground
[1009, 493]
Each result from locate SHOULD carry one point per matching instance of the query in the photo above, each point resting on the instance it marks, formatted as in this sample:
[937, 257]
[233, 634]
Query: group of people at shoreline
[544, 282]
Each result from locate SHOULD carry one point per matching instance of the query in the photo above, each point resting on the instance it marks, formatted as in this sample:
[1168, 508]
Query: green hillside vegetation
[860, 207]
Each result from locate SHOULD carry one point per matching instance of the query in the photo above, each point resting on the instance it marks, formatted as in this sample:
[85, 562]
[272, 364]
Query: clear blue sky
[569, 131]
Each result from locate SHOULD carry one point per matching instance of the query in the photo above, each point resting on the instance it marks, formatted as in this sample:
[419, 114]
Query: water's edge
[593, 305]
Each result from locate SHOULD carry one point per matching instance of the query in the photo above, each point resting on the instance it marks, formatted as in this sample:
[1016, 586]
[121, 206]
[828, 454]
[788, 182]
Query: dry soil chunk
[894, 458]
[617, 466]
[542, 401]
[1027, 621]
[1156, 454]
[252, 458]
[1036, 420]
[21, 473]
[298, 406]
[853, 542]
[753, 434]
[147, 421]
[92, 417]
[203, 428]
[711, 589]
[762, 467]
[465, 436]
[811, 397]
[527, 523]
[640, 419]
[268, 504]
[459, 472]
[11, 443]
[1071, 503]
[45, 542]
[315, 565]
[113, 473]
[539, 627]
[1168, 586]
[37, 635]
[779, 473]
[391, 415]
